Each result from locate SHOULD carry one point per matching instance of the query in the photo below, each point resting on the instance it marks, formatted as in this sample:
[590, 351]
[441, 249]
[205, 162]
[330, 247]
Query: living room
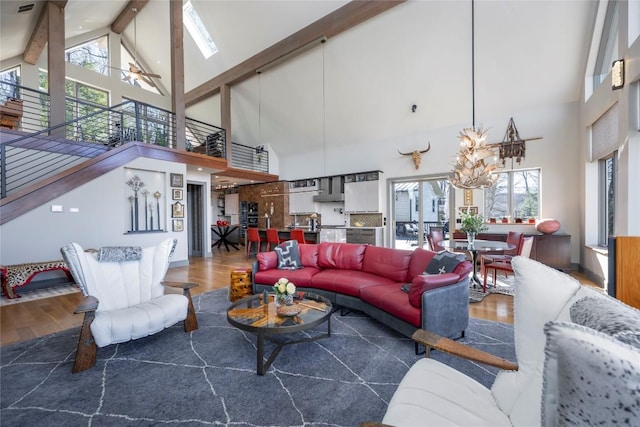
[330, 111]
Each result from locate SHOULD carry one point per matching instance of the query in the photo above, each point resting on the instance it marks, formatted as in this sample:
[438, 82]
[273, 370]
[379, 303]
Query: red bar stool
[298, 234]
[253, 237]
[272, 238]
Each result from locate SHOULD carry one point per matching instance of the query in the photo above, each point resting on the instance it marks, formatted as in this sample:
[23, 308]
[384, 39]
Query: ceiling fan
[134, 70]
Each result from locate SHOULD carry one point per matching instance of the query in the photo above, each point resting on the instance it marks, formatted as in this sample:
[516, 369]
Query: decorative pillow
[590, 378]
[119, 253]
[605, 314]
[444, 262]
[288, 255]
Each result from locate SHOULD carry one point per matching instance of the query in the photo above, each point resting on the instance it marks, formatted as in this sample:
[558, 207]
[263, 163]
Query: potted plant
[472, 224]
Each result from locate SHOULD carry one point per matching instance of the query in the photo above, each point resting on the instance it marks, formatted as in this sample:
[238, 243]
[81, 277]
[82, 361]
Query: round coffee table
[251, 315]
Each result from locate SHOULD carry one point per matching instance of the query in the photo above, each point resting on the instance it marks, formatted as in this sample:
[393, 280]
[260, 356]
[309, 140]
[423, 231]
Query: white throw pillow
[541, 294]
[590, 378]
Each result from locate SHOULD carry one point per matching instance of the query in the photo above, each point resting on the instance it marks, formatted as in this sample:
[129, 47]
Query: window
[198, 31]
[92, 55]
[515, 195]
[608, 49]
[154, 123]
[607, 198]
[9, 82]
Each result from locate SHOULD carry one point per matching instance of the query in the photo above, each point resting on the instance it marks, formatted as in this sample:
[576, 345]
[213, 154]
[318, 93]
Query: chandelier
[476, 165]
[512, 146]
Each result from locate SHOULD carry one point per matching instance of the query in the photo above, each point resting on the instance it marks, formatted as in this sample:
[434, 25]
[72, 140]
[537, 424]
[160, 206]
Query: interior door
[195, 219]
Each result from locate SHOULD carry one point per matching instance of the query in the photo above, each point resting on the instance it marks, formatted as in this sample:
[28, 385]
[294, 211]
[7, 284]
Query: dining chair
[297, 234]
[514, 238]
[253, 236]
[435, 236]
[272, 238]
[525, 251]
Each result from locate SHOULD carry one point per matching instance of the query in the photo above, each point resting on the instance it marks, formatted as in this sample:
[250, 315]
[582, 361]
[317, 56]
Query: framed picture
[178, 225]
[472, 209]
[468, 197]
[177, 210]
[177, 194]
[177, 180]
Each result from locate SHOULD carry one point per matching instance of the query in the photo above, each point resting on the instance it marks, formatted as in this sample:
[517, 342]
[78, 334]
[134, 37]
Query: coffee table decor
[284, 298]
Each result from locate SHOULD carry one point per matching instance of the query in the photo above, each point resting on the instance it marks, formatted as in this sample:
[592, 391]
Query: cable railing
[37, 150]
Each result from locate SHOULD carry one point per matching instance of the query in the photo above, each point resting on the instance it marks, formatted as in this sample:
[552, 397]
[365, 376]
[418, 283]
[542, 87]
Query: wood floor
[24, 321]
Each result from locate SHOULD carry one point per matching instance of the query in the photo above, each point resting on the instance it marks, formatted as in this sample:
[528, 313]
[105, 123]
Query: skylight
[197, 30]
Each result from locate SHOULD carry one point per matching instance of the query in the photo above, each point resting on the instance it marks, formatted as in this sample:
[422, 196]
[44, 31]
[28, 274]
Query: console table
[553, 250]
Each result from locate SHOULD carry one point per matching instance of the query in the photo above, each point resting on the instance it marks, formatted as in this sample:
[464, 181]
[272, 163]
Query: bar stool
[298, 234]
[253, 237]
[272, 238]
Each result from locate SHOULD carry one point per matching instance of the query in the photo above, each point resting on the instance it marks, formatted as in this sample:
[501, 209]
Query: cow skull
[416, 155]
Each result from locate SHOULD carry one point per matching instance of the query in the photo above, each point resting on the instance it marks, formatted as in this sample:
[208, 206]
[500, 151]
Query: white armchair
[548, 325]
[124, 296]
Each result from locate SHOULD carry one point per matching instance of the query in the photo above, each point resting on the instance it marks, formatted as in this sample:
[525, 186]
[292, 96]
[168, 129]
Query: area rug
[505, 286]
[37, 294]
[208, 377]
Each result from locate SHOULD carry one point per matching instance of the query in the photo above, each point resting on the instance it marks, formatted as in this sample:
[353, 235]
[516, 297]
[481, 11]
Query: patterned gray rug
[505, 286]
[208, 377]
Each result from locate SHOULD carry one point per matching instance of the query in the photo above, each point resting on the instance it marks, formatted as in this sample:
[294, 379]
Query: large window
[608, 48]
[154, 124]
[607, 198]
[9, 82]
[516, 195]
[92, 55]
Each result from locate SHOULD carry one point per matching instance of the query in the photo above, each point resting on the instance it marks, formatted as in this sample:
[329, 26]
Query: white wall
[102, 219]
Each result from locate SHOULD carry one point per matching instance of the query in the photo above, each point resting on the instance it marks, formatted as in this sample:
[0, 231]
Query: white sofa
[554, 356]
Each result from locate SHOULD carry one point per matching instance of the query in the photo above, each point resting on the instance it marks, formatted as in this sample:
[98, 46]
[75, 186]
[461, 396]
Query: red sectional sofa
[370, 279]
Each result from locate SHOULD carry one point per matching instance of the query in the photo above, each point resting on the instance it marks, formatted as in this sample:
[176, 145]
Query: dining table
[223, 232]
[478, 246]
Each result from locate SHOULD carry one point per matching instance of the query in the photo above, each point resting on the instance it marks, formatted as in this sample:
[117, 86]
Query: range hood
[331, 190]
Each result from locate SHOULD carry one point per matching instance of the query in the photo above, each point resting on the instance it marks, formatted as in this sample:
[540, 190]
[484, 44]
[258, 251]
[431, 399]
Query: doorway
[417, 205]
[195, 219]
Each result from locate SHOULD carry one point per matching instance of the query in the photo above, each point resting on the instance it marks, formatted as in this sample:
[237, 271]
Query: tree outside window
[516, 195]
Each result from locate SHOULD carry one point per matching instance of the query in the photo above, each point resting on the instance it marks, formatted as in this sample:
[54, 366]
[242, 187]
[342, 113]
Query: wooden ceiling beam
[39, 35]
[338, 21]
[126, 16]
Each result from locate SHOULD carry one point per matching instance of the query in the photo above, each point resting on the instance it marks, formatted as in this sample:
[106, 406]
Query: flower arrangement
[284, 287]
[472, 222]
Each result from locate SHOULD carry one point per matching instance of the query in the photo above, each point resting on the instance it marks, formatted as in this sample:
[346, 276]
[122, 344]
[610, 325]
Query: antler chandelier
[476, 165]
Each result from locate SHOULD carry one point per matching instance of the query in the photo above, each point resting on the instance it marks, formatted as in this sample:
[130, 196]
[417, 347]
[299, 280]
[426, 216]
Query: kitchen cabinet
[231, 204]
[301, 200]
[363, 196]
[369, 235]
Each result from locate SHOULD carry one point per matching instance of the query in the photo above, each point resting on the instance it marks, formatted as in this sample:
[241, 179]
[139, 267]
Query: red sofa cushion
[347, 282]
[391, 299]
[343, 256]
[267, 260]
[423, 283]
[419, 261]
[300, 277]
[386, 262]
[309, 255]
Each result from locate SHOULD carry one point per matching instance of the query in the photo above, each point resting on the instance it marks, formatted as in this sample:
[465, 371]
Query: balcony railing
[38, 150]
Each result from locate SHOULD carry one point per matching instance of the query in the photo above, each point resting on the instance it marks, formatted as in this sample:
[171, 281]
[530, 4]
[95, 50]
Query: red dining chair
[253, 237]
[297, 234]
[434, 238]
[514, 238]
[525, 251]
[272, 238]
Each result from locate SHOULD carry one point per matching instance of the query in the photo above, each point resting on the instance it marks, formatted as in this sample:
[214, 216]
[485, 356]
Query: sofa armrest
[446, 345]
[426, 282]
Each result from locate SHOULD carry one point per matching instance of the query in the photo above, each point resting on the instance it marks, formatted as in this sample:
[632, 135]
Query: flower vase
[471, 237]
[283, 299]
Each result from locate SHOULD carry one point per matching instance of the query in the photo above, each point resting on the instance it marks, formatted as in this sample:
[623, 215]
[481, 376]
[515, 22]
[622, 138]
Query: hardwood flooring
[28, 320]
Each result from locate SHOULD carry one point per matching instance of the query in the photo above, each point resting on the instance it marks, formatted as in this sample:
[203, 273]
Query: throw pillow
[288, 255]
[606, 315]
[444, 262]
[590, 378]
[119, 253]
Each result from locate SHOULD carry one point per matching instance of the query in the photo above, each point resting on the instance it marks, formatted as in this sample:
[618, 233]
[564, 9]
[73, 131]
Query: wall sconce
[617, 74]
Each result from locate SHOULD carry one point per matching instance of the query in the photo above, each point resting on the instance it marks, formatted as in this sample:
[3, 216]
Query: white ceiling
[528, 53]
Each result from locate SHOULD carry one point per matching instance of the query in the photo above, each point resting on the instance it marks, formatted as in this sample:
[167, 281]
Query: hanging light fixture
[476, 165]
